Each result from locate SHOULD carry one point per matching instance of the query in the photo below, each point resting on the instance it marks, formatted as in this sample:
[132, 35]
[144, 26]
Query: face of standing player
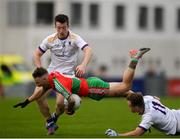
[42, 81]
[62, 29]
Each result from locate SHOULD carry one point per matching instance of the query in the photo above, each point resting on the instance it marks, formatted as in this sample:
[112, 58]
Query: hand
[69, 112]
[111, 133]
[22, 104]
[80, 70]
[69, 106]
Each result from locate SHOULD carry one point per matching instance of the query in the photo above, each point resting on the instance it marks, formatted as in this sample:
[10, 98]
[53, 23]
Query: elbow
[127, 87]
[135, 134]
[138, 132]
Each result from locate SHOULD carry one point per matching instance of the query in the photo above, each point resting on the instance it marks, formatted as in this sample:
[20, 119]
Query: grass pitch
[90, 121]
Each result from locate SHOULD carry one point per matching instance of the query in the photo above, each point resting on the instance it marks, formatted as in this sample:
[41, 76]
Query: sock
[54, 116]
[49, 122]
[133, 63]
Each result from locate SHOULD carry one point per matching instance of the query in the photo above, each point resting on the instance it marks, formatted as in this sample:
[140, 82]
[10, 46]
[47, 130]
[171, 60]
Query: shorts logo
[99, 91]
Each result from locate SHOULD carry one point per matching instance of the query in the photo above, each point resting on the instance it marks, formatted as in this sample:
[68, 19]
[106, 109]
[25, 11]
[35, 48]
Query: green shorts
[97, 88]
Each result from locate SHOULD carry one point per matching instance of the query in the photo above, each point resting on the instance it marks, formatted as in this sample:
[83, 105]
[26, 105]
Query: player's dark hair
[62, 18]
[136, 99]
[38, 72]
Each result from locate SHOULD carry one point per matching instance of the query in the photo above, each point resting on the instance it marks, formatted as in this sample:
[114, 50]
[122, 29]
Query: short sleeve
[81, 43]
[146, 122]
[44, 45]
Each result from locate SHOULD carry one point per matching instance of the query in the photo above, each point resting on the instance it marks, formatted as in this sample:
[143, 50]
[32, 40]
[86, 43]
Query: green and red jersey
[66, 86]
[92, 87]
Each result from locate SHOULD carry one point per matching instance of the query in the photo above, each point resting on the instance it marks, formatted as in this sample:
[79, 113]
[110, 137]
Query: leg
[59, 107]
[122, 88]
[44, 109]
[119, 89]
[40, 96]
[43, 104]
[59, 104]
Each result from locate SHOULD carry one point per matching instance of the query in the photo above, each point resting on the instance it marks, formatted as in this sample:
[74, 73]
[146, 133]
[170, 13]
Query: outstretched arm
[137, 132]
[37, 94]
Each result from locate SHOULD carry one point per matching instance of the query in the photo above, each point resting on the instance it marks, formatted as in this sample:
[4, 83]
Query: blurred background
[111, 28]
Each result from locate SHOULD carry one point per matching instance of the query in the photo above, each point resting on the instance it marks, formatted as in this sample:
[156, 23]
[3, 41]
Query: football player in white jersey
[64, 46]
[154, 114]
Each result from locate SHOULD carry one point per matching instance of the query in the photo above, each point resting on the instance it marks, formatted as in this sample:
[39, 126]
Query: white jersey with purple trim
[64, 53]
[159, 116]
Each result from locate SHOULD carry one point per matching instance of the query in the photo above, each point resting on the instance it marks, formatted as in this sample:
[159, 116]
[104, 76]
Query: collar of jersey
[64, 37]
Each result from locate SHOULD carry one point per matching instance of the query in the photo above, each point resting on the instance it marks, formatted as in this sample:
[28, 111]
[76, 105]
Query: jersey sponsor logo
[63, 49]
[99, 91]
[69, 43]
[62, 44]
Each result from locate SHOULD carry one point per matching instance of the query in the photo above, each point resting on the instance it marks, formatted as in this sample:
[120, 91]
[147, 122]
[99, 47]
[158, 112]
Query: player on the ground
[64, 46]
[154, 113]
[92, 87]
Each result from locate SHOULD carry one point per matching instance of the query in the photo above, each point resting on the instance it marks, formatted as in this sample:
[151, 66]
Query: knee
[60, 102]
[40, 101]
[43, 105]
[127, 87]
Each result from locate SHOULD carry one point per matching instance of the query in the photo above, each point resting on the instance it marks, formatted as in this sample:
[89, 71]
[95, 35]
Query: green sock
[134, 60]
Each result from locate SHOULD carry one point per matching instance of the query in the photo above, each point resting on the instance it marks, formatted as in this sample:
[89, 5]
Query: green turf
[91, 120]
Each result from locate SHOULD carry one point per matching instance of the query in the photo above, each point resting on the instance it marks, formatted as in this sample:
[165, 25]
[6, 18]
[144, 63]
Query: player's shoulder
[147, 97]
[51, 38]
[73, 35]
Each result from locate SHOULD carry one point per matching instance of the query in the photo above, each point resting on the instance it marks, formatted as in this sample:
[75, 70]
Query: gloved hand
[22, 104]
[111, 133]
